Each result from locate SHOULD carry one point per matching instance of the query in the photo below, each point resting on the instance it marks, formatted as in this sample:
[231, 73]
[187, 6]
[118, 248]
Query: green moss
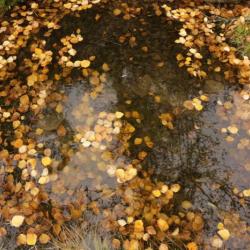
[241, 38]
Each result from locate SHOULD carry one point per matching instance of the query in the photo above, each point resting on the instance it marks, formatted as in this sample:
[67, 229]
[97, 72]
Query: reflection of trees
[199, 159]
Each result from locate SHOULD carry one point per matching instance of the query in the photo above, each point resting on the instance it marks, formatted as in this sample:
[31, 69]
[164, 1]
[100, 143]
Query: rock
[212, 86]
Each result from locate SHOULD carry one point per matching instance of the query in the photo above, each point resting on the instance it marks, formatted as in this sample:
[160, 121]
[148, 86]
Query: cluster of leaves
[201, 32]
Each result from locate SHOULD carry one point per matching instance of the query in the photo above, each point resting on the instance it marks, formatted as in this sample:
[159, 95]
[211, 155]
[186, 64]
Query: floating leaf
[17, 220]
[44, 238]
[31, 239]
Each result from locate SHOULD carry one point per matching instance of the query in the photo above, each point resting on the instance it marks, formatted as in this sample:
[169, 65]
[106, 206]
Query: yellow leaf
[21, 239]
[162, 224]
[85, 63]
[188, 105]
[117, 12]
[31, 239]
[156, 193]
[224, 234]
[192, 246]
[138, 227]
[44, 238]
[46, 161]
[17, 220]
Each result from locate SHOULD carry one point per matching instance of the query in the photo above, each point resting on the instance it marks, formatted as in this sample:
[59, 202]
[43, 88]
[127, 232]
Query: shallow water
[195, 153]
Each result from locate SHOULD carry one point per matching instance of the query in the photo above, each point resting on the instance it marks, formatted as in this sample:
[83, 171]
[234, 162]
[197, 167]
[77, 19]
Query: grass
[78, 238]
[241, 37]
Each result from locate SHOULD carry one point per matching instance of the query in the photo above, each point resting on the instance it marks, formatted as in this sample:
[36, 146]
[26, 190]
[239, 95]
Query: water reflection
[195, 153]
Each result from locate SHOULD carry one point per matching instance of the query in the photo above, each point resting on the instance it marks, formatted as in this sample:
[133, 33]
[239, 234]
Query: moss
[241, 37]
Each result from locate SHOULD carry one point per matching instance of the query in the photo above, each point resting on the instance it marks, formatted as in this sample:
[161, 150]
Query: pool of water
[205, 151]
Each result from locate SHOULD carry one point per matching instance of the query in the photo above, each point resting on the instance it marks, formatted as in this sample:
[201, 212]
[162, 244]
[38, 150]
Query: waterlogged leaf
[175, 188]
[31, 239]
[233, 129]
[32, 79]
[138, 226]
[217, 242]
[192, 246]
[122, 223]
[3, 232]
[119, 115]
[186, 204]
[117, 12]
[17, 220]
[163, 247]
[198, 223]
[21, 239]
[46, 161]
[198, 106]
[44, 238]
[85, 63]
[138, 141]
[151, 230]
[224, 234]
[246, 192]
[156, 193]
[162, 224]
[188, 105]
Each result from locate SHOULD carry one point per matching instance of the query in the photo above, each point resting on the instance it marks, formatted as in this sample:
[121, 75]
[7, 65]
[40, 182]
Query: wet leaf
[224, 234]
[46, 161]
[162, 224]
[17, 220]
[85, 63]
[21, 239]
[44, 238]
[31, 239]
